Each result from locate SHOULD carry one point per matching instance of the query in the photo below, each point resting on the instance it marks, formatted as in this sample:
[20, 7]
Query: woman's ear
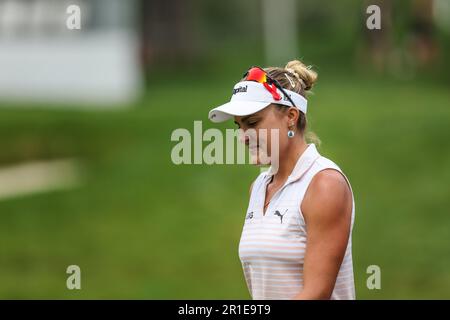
[293, 114]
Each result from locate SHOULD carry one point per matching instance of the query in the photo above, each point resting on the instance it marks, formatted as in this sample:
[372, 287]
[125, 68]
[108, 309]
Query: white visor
[250, 97]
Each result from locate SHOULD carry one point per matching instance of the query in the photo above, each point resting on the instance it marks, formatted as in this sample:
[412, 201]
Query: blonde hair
[304, 74]
[297, 77]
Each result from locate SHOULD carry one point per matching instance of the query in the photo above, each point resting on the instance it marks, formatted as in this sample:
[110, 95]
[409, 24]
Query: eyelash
[249, 124]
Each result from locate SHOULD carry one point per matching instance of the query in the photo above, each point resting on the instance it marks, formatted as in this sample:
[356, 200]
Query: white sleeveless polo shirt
[272, 245]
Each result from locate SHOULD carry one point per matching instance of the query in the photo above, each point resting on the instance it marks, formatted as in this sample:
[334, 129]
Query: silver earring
[291, 133]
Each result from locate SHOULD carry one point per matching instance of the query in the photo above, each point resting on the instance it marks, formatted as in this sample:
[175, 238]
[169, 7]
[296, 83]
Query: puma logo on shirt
[277, 213]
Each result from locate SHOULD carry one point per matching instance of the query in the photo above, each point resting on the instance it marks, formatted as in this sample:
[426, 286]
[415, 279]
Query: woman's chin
[254, 159]
[258, 160]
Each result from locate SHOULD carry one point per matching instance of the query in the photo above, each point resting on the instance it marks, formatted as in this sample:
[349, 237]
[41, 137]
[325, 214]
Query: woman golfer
[296, 239]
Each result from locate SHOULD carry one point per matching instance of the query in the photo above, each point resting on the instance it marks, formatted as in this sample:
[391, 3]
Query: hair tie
[290, 80]
[292, 71]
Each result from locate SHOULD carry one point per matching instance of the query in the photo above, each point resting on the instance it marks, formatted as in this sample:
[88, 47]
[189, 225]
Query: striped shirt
[272, 245]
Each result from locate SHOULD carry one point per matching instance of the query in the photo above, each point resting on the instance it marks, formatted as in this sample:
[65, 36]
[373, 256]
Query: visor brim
[235, 108]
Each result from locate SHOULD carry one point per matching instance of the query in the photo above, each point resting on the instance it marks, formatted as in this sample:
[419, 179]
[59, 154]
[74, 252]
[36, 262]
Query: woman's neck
[288, 160]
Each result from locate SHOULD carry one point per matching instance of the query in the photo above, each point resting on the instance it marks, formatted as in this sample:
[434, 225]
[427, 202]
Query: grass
[141, 227]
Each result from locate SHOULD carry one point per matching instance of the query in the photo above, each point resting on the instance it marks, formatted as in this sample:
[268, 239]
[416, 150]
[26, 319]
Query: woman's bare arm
[327, 208]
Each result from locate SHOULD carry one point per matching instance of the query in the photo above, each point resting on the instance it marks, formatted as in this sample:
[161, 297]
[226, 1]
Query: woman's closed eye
[252, 123]
[248, 124]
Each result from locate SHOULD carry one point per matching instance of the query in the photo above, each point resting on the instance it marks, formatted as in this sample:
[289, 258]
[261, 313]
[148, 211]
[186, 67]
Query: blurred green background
[141, 227]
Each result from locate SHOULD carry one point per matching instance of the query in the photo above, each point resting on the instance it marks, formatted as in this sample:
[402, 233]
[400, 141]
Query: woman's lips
[253, 148]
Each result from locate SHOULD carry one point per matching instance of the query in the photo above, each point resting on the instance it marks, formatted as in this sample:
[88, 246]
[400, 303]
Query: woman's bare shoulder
[328, 196]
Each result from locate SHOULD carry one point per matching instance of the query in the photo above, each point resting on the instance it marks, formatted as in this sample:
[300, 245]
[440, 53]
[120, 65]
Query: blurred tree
[167, 35]
[422, 43]
[378, 42]
[280, 31]
[402, 44]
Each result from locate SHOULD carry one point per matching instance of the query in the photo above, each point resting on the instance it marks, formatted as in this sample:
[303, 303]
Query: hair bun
[304, 74]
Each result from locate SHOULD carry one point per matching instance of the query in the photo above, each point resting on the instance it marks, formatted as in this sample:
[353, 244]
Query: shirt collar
[304, 162]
